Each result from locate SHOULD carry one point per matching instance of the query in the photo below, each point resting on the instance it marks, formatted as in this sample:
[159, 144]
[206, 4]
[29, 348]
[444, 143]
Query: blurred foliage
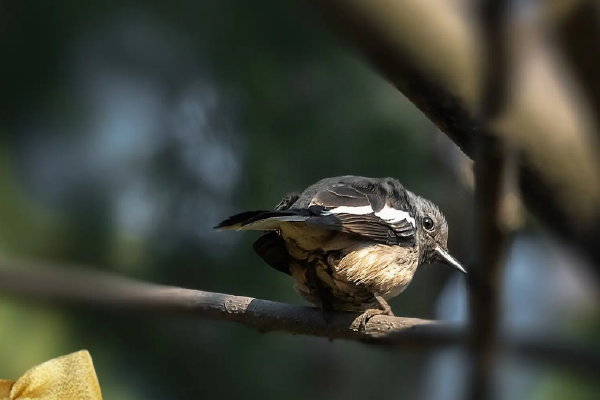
[129, 128]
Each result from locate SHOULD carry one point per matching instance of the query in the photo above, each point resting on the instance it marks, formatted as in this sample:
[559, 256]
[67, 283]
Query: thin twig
[78, 287]
[484, 280]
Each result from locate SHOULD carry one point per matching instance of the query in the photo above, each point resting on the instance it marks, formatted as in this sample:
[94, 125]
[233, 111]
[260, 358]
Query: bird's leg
[326, 309]
[385, 307]
[324, 296]
[370, 313]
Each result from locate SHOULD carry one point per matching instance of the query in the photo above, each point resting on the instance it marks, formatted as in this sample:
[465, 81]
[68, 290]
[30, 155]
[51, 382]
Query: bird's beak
[446, 258]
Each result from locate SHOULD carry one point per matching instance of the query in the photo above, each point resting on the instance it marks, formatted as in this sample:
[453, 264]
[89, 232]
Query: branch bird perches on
[77, 287]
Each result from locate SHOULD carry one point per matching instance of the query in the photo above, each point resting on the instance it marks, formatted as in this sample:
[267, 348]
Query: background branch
[436, 65]
[484, 280]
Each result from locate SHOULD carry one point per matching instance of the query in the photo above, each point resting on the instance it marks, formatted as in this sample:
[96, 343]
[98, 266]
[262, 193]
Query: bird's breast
[381, 268]
[352, 275]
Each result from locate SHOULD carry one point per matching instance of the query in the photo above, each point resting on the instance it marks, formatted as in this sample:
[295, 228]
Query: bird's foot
[362, 319]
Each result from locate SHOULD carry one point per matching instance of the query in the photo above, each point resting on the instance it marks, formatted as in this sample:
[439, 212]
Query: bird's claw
[362, 319]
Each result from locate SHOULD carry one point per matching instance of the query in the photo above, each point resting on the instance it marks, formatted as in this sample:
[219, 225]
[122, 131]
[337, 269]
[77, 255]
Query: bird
[350, 243]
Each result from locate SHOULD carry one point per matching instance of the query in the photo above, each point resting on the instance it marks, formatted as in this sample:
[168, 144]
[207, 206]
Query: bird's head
[432, 230]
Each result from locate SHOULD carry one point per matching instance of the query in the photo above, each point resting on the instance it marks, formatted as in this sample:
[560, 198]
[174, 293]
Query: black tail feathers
[263, 220]
[238, 219]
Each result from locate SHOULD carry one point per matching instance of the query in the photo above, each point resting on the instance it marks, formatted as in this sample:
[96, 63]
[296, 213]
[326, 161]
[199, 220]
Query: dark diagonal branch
[429, 50]
[82, 288]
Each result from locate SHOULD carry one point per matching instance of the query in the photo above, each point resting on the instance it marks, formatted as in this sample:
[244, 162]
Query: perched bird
[350, 243]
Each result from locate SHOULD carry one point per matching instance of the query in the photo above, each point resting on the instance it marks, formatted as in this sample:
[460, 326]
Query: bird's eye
[428, 224]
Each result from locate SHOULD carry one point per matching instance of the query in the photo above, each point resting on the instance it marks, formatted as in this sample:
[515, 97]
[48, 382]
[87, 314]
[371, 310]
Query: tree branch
[484, 280]
[80, 287]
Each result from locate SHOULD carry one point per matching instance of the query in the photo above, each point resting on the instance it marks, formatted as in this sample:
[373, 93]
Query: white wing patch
[392, 215]
[352, 210]
[387, 213]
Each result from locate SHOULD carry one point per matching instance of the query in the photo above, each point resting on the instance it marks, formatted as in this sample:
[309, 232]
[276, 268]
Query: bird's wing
[361, 211]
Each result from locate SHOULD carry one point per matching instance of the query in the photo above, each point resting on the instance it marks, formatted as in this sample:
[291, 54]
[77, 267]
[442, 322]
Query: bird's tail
[262, 220]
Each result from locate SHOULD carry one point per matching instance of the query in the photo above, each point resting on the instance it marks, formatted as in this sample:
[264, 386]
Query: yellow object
[70, 377]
